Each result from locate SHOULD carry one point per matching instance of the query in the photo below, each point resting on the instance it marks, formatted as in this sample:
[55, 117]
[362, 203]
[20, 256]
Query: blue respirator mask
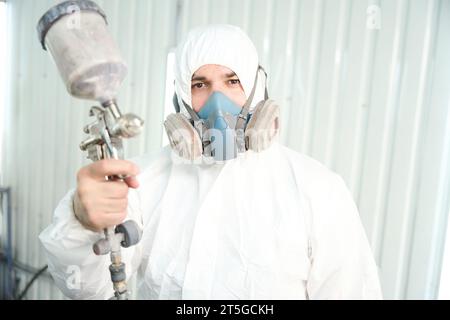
[222, 129]
[220, 115]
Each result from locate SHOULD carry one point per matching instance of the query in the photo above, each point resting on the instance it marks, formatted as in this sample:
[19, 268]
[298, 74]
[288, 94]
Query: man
[262, 223]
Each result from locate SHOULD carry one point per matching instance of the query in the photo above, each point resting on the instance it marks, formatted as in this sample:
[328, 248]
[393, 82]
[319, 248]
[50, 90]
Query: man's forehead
[209, 71]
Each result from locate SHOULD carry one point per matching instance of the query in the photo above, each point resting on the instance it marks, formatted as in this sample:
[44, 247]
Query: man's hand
[99, 203]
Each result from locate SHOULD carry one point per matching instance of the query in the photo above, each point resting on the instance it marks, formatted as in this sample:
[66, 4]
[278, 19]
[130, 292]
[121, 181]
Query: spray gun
[88, 60]
[105, 142]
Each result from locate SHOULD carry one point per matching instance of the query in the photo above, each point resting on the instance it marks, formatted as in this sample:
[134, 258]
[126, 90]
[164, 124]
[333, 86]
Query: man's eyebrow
[200, 78]
[230, 75]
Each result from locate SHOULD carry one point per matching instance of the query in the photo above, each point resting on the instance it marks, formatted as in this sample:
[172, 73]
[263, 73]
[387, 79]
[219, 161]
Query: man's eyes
[200, 85]
[197, 85]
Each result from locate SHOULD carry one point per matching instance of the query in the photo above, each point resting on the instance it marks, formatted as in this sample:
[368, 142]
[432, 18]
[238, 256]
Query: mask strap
[247, 104]
[266, 93]
[242, 118]
[192, 113]
[199, 126]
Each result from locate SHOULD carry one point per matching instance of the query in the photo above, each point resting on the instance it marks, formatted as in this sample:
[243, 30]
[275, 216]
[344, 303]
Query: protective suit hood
[224, 45]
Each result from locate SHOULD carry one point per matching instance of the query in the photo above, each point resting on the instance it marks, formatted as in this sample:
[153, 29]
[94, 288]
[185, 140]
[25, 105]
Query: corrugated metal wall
[363, 85]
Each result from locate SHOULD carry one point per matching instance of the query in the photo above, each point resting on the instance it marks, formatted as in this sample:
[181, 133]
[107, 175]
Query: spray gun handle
[129, 234]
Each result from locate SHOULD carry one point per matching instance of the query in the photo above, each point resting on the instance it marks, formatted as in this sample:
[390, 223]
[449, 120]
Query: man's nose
[216, 91]
[217, 86]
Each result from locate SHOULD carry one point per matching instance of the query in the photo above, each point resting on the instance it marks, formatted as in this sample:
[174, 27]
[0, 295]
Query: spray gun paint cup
[75, 32]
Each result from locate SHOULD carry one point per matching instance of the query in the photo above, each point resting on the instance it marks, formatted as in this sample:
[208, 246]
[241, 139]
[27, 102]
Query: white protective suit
[269, 225]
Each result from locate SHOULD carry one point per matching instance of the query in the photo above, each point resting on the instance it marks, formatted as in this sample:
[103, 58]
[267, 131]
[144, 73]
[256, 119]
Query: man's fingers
[132, 182]
[112, 167]
[104, 201]
[112, 219]
[114, 205]
[113, 189]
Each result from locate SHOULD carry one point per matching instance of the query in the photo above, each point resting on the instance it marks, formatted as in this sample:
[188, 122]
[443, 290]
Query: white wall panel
[368, 97]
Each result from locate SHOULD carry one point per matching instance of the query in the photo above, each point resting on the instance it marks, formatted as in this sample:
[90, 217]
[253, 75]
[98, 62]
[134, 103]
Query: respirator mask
[222, 129]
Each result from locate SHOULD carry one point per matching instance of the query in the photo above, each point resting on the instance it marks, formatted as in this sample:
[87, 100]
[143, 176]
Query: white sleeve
[77, 271]
[342, 263]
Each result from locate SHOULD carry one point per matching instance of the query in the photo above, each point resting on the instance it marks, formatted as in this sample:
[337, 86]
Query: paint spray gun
[75, 32]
